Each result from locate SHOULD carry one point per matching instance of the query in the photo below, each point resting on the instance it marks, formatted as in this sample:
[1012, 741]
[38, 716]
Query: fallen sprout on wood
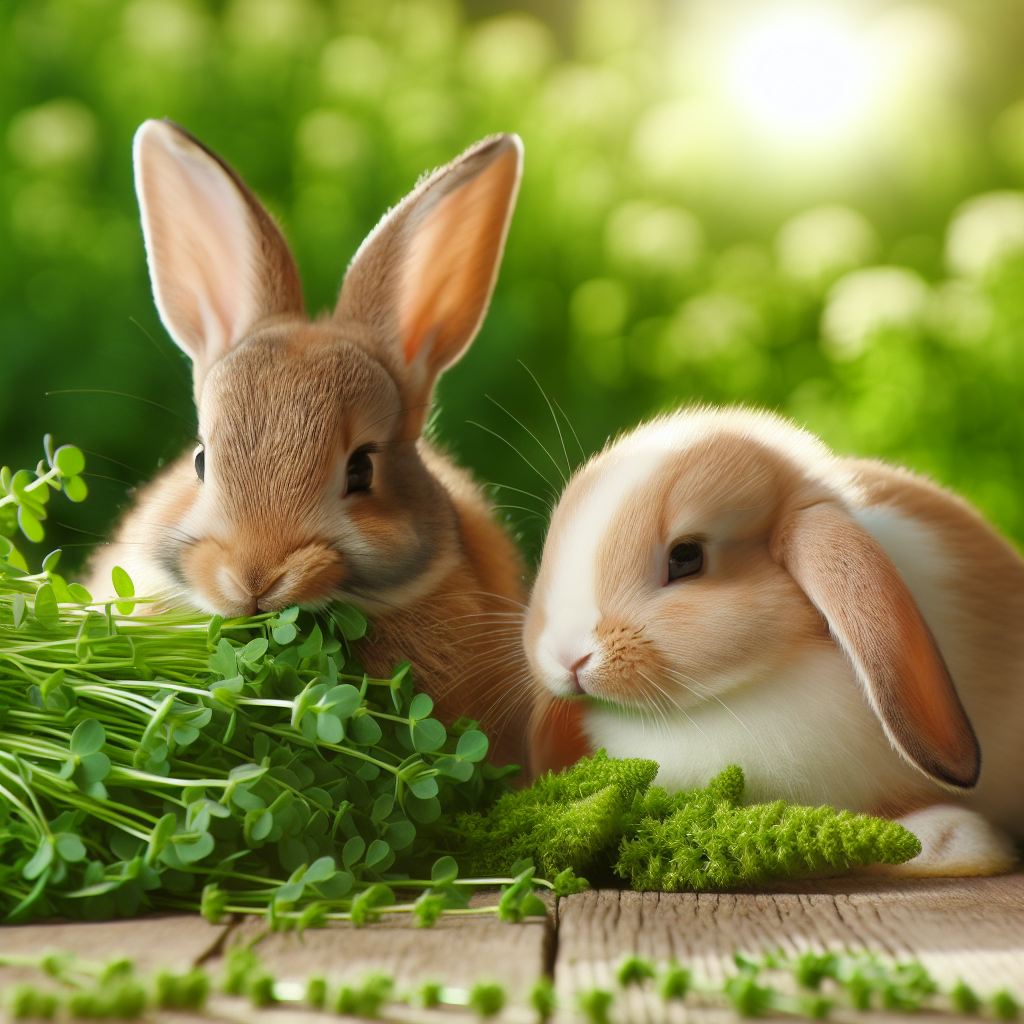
[809, 986]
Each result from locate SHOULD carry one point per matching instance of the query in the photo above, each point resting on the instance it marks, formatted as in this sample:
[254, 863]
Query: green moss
[605, 813]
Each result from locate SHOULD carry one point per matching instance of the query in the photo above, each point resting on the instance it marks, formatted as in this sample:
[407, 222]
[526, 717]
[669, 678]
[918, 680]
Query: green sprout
[634, 970]
[114, 990]
[24, 497]
[174, 761]
[1004, 1006]
[675, 982]
[594, 1004]
[487, 998]
[542, 998]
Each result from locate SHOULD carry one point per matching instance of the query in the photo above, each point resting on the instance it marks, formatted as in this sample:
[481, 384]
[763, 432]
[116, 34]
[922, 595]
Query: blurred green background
[814, 208]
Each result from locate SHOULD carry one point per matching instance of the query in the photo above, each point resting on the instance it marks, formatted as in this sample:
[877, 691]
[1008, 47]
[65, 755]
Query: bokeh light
[802, 73]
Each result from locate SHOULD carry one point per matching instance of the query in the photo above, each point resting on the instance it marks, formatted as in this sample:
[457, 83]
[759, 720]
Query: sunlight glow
[801, 74]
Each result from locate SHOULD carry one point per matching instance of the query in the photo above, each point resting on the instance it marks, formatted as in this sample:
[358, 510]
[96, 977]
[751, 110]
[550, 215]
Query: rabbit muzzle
[235, 582]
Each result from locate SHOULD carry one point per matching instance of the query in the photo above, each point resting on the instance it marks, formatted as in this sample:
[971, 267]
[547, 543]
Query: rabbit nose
[307, 574]
[574, 670]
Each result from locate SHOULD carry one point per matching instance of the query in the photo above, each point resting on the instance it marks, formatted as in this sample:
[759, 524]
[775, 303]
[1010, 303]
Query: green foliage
[675, 982]
[594, 1004]
[748, 998]
[604, 813]
[366, 998]
[634, 970]
[964, 998]
[181, 991]
[24, 498]
[564, 820]
[27, 1003]
[1004, 1006]
[706, 839]
[316, 992]
[542, 999]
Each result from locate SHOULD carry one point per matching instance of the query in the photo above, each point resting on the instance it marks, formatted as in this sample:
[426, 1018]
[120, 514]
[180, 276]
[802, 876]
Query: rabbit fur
[854, 635]
[312, 481]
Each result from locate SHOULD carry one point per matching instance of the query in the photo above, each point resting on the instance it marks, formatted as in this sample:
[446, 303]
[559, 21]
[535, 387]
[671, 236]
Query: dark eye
[359, 474]
[685, 559]
[201, 462]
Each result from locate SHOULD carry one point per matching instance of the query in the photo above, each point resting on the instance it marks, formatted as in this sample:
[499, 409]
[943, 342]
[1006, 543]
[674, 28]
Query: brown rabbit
[312, 482]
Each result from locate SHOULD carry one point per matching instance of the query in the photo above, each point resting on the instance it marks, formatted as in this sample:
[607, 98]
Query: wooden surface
[969, 928]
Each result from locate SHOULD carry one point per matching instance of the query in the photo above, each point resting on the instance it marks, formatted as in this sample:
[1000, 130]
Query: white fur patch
[804, 736]
[570, 603]
[954, 842]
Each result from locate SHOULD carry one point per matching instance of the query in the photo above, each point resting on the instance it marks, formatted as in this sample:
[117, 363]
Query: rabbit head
[707, 552]
[308, 484]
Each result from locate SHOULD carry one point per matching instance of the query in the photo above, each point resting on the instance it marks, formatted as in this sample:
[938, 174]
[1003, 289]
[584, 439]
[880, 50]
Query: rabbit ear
[421, 282]
[217, 261]
[875, 621]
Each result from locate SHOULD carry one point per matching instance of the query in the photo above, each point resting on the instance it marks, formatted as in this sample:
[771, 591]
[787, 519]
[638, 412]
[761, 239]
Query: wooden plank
[177, 942]
[456, 952]
[970, 928]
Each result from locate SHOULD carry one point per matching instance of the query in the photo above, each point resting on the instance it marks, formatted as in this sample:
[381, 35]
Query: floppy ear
[422, 280]
[875, 621]
[217, 261]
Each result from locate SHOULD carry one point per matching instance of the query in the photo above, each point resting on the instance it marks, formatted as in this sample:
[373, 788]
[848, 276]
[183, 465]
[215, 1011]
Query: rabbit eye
[685, 559]
[359, 474]
[201, 463]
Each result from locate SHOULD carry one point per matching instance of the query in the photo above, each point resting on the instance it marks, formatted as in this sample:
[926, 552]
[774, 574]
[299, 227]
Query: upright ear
[218, 263]
[421, 282]
[875, 621]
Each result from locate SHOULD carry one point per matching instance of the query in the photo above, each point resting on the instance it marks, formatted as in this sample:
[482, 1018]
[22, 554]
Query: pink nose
[574, 669]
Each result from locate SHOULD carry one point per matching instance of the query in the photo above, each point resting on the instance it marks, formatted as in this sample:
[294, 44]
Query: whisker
[123, 394]
[473, 423]
[175, 364]
[712, 695]
[583, 454]
[123, 465]
[536, 439]
[568, 466]
[519, 490]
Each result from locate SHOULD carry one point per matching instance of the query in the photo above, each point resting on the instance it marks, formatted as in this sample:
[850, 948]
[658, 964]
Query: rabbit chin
[807, 736]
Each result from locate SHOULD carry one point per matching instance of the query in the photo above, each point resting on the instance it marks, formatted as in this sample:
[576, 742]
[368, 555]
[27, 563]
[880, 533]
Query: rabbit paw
[954, 842]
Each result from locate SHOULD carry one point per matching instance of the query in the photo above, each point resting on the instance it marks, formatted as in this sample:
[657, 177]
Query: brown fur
[285, 403]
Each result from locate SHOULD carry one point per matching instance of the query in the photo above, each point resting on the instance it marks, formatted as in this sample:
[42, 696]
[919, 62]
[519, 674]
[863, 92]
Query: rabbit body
[815, 645]
[312, 482]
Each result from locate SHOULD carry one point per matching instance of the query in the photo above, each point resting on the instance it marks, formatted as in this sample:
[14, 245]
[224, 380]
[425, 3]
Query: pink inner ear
[875, 621]
[200, 242]
[451, 263]
[217, 260]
